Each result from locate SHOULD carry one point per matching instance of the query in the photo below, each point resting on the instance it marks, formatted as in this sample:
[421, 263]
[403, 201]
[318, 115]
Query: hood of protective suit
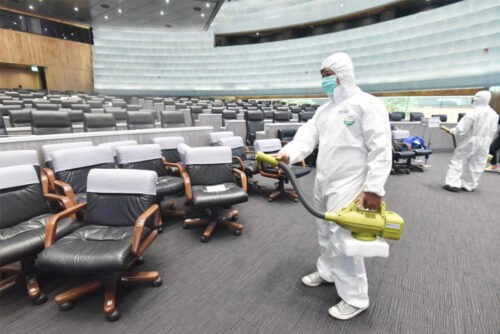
[482, 98]
[341, 64]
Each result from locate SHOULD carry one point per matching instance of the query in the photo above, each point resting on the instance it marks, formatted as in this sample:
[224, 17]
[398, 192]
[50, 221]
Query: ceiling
[169, 14]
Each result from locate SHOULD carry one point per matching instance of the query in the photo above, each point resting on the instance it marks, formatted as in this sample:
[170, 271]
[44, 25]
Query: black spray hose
[291, 176]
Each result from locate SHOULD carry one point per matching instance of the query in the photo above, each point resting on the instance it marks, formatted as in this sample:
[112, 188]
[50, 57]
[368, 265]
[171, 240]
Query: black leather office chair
[442, 117]
[140, 120]
[254, 121]
[148, 157]
[75, 116]
[271, 146]
[395, 117]
[304, 116]
[214, 137]
[286, 135]
[24, 215]
[210, 187]
[460, 116]
[46, 106]
[50, 122]
[401, 151]
[134, 107]
[20, 118]
[281, 117]
[217, 110]
[172, 119]
[99, 122]
[113, 145]
[243, 158]
[71, 168]
[120, 115]
[195, 113]
[172, 159]
[3, 128]
[295, 109]
[81, 106]
[4, 109]
[118, 227]
[228, 115]
[416, 116]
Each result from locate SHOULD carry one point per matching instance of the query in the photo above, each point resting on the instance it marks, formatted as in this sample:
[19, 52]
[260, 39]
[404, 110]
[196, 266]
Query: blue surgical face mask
[329, 84]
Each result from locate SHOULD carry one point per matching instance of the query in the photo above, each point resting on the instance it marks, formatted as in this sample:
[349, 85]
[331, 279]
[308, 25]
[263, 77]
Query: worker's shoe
[467, 190]
[492, 168]
[313, 280]
[450, 188]
[344, 311]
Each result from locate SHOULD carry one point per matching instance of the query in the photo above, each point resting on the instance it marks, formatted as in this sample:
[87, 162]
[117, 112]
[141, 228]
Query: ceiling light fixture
[15, 23]
[208, 5]
[31, 7]
[20, 17]
[162, 13]
[119, 10]
[258, 33]
[76, 9]
[167, 1]
[342, 4]
[202, 14]
[106, 17]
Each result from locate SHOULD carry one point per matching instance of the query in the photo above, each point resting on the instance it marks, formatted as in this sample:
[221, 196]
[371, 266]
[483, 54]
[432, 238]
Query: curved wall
[441, 48]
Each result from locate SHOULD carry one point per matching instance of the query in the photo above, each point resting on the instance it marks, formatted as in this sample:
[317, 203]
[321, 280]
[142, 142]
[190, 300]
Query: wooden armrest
[66, 189]
[303, 163]
[240, 161]
[187, 186]
[49, 174]
[139, 227]
[408, 146]
[173, 164]
[63, 200]
[243, 178]
[50, 228]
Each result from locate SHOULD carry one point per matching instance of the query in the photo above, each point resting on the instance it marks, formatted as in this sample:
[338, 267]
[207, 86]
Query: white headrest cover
[19, 175]
[267, 145]
[168, 143]
[82, 157]
[113, 145]
[21, 157]
[122, 181]
[208, 155]
[215, 136]
[400, 134]
[233, 142]
[127, 154]
[47, 149]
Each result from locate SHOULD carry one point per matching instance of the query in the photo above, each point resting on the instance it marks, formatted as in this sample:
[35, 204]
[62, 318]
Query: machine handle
[447, 129]
[262, 157]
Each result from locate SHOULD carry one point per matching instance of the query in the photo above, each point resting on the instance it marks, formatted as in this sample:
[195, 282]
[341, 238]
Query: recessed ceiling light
[208, 5]
[257, 34]
[21, 17]
[202, 14]
[44, 29]
[342, 4]
[167, 1]
[162, 13]
[72, 34]
[119, 10]
[31, 7]
[106, 17]
[15, 23]
[76, 9]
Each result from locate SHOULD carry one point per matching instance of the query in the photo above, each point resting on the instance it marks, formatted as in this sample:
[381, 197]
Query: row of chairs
[398, 116]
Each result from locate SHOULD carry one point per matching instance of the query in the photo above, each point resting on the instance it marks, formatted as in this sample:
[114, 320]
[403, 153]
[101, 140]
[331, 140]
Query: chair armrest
[66, 189]
[47, 172]
[240, 161]
[187, 186]
[276, 175]
[173, 164]
[137, 247]
[50, 228]
[408, 146]
[243, 178]
[302, 163]
[63, 200]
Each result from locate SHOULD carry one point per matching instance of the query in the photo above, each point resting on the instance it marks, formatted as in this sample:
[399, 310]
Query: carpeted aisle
[442, 277]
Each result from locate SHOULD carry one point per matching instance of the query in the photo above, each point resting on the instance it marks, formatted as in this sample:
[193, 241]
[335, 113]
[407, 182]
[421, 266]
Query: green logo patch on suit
[349, 120]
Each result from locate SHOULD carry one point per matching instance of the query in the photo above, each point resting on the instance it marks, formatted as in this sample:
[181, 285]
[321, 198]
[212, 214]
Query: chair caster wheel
[140, 260]
[158, 282]
[186, 226]
[269, 199]
[42, 298]
[113, 316]
[160, 229]
[295, 200]
[204, 239]
[66, 306]
[234, 218]
[237, 232]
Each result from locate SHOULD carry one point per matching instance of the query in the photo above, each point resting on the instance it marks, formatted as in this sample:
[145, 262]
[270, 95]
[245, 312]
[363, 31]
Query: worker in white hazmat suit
[354, 160]
[474, 134]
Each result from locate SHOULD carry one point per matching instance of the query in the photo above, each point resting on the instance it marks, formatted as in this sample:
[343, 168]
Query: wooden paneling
[12, 78]
[68, 63]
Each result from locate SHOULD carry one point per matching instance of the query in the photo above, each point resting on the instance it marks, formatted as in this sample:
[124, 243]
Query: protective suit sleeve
[304, 142]
[464, 125]
[377, 135]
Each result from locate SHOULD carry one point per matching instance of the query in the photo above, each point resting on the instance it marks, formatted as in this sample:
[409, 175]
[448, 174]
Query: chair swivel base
[66, 299]
[15, 275]
[169, 210]
[280, 190]
[229, 220]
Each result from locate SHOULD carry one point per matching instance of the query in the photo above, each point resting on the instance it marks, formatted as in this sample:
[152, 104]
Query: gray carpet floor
[441, 277]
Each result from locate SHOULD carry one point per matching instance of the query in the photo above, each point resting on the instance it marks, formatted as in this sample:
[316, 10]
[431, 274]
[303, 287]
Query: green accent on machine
[364, 225]
[490, 157]
[447, 129]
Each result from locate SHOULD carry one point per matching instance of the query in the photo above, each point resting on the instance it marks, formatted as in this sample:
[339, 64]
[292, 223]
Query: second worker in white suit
[354, 160]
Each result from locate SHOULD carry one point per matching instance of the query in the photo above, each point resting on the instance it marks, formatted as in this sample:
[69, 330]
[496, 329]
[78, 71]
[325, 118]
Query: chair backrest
[4, 109]
[295, 109]
[120, 115]
[76, 116]
[3, 129]
[236, 144]
[168, 146]
[50, 122]
[395, 117]
[209, 165]
[416, 116]
[118, 197]
[134, 107]
[442, 117]
[182, 149]
[400, 134]
[47, 149]
[304, 116]
[281, 116]
[215, 136]
[172, 119]
[460, 116]
[46, 106]
[73, 166]
[147, 157]
[254, 121]
[400, 113]
[20, 157]
[21, 196]
[217, 110]
[94, 104]
[81, 106]
[286, 134]
[19, 118]
[140, 120]
[113, 145]
[99, 122]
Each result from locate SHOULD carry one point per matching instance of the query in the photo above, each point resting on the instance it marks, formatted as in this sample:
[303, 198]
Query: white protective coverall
[355, 155]
[474, 133]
